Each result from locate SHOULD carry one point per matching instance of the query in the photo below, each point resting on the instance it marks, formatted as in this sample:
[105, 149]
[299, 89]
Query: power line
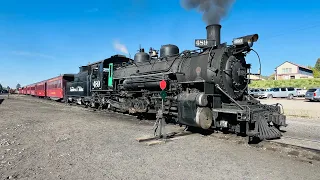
[294, 30]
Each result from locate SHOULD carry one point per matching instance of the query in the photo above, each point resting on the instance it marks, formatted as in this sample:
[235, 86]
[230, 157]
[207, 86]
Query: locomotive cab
[100, 76]
[102, 72]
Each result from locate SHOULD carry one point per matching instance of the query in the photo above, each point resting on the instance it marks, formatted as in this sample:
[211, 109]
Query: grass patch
[297, 83]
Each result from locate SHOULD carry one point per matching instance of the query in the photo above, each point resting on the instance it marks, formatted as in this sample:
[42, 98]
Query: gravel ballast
[44, 140]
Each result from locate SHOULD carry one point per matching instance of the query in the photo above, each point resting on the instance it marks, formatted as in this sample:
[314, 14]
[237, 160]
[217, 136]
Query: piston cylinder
[192, 110]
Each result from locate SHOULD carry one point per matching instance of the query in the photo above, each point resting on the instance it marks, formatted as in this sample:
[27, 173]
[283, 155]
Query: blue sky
[41, 39]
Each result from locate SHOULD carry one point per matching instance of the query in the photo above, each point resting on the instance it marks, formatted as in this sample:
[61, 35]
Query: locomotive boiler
[207, 87]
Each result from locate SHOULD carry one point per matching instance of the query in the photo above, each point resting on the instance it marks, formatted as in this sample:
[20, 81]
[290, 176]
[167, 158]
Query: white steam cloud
[120, 47]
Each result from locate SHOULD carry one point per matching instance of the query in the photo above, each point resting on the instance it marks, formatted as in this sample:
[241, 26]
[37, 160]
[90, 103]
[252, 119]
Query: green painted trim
[110, 75]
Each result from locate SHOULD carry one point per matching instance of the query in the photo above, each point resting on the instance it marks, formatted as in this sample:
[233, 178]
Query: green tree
[271, 77]
[310, 67]
[317, 65]
[316, 73]
[18, 86]
[1, 88]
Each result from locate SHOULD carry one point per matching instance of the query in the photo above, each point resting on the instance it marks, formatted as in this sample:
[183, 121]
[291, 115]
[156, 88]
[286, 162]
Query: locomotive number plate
[238, 41]
[96, 84]
[201, 42]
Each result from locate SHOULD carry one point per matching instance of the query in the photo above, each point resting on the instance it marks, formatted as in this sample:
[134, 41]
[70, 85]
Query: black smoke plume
[213, 10]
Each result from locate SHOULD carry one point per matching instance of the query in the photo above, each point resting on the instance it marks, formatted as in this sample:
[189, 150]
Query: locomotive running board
[228, 110]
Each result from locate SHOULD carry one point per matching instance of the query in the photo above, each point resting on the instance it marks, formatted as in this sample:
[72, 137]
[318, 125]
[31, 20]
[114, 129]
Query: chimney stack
[213, 33]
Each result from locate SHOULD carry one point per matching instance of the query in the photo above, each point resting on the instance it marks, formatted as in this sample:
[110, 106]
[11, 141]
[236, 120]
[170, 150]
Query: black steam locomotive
[206, 88]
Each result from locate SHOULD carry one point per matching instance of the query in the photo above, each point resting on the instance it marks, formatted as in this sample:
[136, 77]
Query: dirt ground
[44, 140]
[303, 117]
[297, 108]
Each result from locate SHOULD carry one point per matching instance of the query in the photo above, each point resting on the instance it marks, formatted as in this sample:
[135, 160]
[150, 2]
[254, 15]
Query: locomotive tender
[207, 88]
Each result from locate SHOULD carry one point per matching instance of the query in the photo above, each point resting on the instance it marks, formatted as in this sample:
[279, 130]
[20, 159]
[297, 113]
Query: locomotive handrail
[176, 57]
[252, 98]
[217, 85]
[259, 61]
[137, 76]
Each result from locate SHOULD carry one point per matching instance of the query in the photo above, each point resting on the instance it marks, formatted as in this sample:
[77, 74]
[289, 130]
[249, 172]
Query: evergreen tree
[18, 86]
[271, 77]
[317, 65]
[316, 73]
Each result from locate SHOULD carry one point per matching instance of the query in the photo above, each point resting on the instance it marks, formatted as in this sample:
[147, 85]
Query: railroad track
[308, 144]
[296, 143]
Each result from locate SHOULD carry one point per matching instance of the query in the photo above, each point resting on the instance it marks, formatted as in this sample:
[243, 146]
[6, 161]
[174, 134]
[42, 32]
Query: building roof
[295, 65]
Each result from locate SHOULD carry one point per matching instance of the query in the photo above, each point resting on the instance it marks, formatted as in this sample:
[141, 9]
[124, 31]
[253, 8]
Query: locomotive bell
[153, 53]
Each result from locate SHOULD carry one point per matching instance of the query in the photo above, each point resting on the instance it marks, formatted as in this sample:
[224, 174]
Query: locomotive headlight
[245, 40]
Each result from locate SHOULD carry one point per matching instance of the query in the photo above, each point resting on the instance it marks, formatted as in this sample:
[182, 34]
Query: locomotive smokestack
[213, 33]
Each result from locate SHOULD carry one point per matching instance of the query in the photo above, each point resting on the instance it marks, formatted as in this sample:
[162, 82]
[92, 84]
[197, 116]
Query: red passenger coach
[56, 86]
[20, 91]
[28, 88]
[24, 91]
[33, 90]
[41, 89]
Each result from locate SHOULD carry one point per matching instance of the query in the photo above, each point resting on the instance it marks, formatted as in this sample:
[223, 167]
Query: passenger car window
[311, 90]
[59, 84]
[276, 89]
[283, 89]
[290, 89]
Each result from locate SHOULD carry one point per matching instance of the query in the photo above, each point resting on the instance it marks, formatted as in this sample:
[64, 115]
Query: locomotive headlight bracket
[245, 40]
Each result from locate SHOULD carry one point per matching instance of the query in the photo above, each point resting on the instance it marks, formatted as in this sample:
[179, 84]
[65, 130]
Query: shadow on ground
[1, 100]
